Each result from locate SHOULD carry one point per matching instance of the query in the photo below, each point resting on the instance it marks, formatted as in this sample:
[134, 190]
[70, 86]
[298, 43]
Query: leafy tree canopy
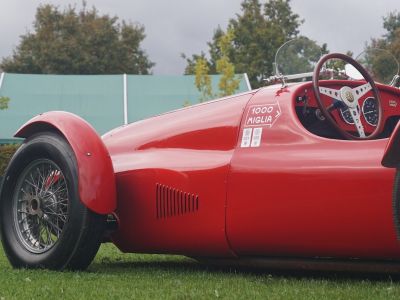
[391, 23]
[378, 62]
[4, 102]
[258, 32]
[298, 56]
[79, 42]
[203, 79]
[228, 82]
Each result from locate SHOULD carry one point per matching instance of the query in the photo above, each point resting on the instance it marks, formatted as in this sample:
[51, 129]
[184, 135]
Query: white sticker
[256, 140]
[263, 115]
[246, 138]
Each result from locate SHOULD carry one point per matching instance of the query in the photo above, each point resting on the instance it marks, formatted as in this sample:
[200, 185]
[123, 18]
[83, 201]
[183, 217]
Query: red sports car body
[258, 178]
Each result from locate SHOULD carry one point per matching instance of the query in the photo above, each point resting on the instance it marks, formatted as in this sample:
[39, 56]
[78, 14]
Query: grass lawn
[114, 275]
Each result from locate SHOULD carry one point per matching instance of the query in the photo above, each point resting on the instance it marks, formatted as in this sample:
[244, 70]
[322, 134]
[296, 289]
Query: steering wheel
[347, 97]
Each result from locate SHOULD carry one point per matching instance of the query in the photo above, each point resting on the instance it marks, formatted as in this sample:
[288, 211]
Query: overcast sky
[184, 26]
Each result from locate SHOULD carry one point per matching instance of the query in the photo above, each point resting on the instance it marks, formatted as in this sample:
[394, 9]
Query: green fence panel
[99, 99]
[152, 95]
[96, 98]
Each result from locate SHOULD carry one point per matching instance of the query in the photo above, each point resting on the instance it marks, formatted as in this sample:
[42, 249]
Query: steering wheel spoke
[361, 90]
[335, 94]
[355, 114]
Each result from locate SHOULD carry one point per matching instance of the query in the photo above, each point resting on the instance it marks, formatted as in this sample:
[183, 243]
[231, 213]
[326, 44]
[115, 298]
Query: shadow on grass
[185, 266]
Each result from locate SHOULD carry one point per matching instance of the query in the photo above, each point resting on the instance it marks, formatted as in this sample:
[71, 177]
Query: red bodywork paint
[95, 171]
[289, 194]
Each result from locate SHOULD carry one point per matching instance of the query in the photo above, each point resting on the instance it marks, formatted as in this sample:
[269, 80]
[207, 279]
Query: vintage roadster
[292, 175]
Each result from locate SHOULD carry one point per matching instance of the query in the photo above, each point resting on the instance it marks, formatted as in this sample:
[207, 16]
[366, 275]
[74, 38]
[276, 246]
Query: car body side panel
[171, 179]
[301, 195]
[95, 171]
[391, 158]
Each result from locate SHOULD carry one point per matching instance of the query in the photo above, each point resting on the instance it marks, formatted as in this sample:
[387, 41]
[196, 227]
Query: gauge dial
[370, 111]
[346, 115]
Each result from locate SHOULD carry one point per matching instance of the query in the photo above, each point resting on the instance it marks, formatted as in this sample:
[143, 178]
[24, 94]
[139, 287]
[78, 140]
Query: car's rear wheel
[43, 223]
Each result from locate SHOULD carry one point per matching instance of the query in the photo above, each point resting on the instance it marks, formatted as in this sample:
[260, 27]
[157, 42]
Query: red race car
[292, 175]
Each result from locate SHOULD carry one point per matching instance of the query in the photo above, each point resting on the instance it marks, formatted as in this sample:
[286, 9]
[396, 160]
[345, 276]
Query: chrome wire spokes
[40, 205]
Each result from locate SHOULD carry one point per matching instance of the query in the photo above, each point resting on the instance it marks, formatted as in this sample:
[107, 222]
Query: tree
[391, 23]
[258, 32]
[190, 68]
[4, 102]
[298, 56]
[203, 79]
[214, 52]
[395, 44]
[79, 42]
[228, 82]
[379, 63]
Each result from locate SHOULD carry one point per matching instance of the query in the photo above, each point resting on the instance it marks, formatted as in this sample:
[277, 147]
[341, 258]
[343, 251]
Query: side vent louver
[171, 202]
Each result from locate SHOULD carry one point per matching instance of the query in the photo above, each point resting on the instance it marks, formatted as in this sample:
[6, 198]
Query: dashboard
[311, 117]
[369, 110]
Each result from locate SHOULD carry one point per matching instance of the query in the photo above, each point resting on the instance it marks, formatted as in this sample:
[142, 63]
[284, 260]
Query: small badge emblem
[349, 96]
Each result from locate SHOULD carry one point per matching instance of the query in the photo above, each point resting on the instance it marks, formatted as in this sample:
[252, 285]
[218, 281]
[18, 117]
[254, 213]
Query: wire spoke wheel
[43, 222]
[40, 205]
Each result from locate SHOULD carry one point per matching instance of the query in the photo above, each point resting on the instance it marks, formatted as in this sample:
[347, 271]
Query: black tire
[43, 223]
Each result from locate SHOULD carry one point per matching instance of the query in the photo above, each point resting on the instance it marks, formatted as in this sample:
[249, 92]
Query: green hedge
[6, 152]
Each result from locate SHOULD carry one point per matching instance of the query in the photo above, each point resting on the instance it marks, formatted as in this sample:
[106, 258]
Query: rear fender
[391, 157]
[96, 177]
